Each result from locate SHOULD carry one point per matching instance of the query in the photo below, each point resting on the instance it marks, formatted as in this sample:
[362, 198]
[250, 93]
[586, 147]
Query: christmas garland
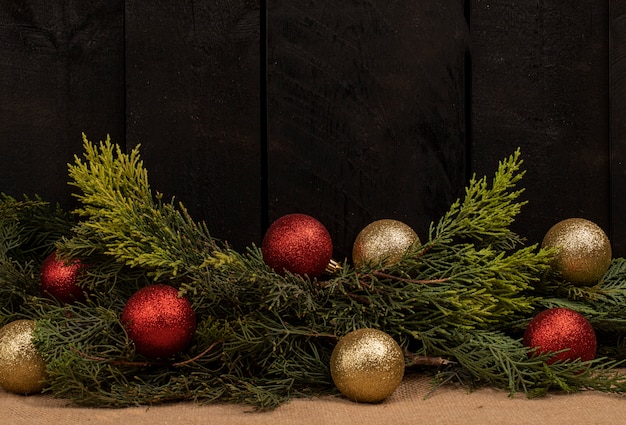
[251, 327]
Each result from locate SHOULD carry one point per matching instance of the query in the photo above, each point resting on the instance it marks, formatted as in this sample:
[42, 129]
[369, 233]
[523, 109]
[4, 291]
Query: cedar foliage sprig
[123, 219]
[463, 296]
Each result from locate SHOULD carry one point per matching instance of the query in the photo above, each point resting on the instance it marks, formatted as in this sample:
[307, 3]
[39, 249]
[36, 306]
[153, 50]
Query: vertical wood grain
[366, 115]
[61, 73]
[366, 105]
[192, 81]
[618, 124]
[540, 83]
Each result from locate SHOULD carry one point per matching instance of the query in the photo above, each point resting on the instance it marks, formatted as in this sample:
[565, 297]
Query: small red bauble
[57, 279]
[297, 243]
[559, 329]
[158, 321]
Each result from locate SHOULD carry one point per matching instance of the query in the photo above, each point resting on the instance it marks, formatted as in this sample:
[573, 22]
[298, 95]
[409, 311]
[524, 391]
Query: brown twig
[117, 362]
[415, 360]
[358, 298]
[368, 286]
[122, 362]
[199, 356]
[384, 275]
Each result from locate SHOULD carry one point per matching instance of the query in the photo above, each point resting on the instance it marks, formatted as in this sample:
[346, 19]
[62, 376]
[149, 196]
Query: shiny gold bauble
[383, 241]
[583, 251]
[367, 365]
[22, 369]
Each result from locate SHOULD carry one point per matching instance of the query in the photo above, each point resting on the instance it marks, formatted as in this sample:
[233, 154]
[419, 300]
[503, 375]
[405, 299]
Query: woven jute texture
[408, 405]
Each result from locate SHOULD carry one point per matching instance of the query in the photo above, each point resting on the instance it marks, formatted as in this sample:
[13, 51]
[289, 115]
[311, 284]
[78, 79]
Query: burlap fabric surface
[448, 405]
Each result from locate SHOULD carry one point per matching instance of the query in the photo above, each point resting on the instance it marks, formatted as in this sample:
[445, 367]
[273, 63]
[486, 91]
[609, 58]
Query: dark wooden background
[349, 111]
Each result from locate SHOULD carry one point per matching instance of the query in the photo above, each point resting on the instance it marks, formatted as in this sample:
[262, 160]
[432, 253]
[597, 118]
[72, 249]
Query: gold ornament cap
[583, 250]
[367, 365]
[22, 368]
[385, 240]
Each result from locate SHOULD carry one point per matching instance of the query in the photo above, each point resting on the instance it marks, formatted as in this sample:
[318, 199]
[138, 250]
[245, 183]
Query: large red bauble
[297, 243]
[158, 321]
[58, 279]
[558, 329]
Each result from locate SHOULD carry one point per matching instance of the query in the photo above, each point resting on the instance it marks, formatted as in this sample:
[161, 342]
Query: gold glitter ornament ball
[22, 369]
[583, 250]
[382, 240]
[367, 365]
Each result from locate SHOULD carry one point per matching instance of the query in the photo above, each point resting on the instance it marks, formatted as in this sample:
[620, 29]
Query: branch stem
[122, 362]
[384, 275]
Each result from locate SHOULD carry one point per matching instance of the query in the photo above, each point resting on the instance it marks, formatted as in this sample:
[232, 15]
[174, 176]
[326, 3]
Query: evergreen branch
[454, 303]
[485, 213]
[503, 362]
[122, 218]
[604, 304]
[28, 231]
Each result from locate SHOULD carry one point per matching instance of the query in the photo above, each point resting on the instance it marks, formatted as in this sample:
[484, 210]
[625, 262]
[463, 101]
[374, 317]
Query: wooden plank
[617, 72]
[539, 81]
[192, 72]
[61, 73]
[365, 111]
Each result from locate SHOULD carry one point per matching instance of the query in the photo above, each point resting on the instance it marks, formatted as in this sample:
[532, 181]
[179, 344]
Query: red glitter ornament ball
[58, 279]
[558, 329]
[299, 244]
[158, 321]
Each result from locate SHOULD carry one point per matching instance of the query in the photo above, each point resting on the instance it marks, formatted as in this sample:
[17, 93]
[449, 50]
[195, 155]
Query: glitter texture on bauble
[22, 368]
[58, 279]
[297, 243]
[158, 321]
[367, 365]
[383, 241]
[559, 329]
[583, 250]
